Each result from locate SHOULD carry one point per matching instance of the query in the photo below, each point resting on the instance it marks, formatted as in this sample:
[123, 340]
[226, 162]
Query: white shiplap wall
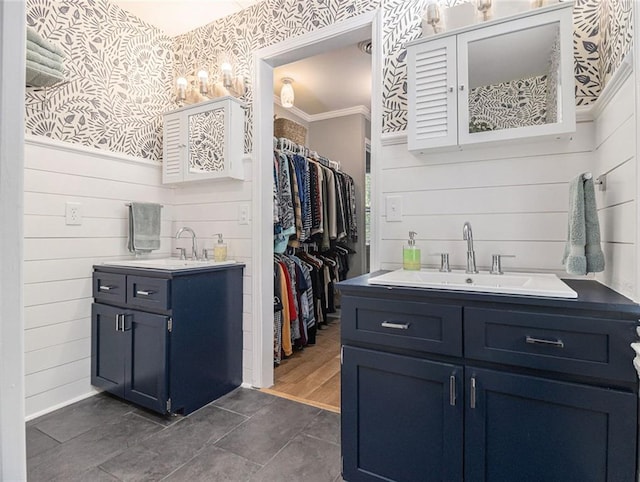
[615, 157]
[214, 207]
[59, 258]
[514, 195]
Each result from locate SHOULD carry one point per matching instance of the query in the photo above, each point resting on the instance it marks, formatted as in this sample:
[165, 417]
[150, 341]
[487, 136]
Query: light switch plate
[394, 208]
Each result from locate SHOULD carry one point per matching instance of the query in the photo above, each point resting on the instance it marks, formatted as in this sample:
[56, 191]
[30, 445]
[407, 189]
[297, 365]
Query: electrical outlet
[73, 214]
[243, 214]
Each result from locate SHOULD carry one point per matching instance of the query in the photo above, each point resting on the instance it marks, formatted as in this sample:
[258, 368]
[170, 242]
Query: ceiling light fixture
[287, 95]
[366, 46]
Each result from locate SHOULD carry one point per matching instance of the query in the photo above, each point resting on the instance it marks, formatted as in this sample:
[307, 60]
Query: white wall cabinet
[511, 78]
[204, 141]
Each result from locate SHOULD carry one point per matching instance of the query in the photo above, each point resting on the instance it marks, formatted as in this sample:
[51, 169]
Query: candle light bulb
[203, 76]
[226, 69]
[181, 84]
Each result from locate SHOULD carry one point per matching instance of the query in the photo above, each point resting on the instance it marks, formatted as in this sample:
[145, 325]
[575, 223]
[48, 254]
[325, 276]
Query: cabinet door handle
[120, 322]
[542, 341]
[472, 402]
[396, 326]
[106, 287]
[452, 390]
[123, 320]
[144, 292]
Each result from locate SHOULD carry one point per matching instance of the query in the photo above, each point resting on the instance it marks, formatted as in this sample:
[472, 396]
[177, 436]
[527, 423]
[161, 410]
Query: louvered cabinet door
[174, 148]
[432, 94]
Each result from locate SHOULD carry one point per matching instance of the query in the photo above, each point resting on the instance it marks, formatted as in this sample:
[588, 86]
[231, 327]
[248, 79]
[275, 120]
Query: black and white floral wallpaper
[119, 78]
[508, 105]
[206, 150]
[121, 70]
[234, 38]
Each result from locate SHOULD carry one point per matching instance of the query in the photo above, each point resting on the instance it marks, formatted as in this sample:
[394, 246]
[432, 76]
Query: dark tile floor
[245, 436]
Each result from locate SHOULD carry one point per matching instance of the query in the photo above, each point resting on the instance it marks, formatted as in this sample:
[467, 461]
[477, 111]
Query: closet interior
[315, 227]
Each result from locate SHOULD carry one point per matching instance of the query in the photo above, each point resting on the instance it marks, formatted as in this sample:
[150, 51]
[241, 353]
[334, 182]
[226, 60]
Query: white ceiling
[331, 81]
[176, 17]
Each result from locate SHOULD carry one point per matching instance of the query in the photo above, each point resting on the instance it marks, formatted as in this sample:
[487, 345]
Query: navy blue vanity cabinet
[445, 386]
[525, 428]
[170, 341]
[401, 417]
[130, 359]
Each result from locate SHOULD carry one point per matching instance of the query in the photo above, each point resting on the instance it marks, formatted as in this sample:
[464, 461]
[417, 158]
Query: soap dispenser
[220, 250]
[411, 254]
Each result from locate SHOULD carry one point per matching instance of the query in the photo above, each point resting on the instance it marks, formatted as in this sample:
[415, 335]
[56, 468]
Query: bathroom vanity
[168, 338]
[452, 386]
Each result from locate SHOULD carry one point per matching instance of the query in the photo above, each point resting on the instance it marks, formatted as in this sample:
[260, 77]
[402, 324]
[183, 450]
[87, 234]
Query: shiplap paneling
[54, 335]
[60, 396]
[39, 360]
[211, 208]
[54, 291]
[534, 256]
[582, 141]
[59, 258]
[615, 157]
[515, 196]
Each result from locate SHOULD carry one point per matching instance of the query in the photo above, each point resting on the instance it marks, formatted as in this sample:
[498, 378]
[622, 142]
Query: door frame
[12, 82]
[265, 60]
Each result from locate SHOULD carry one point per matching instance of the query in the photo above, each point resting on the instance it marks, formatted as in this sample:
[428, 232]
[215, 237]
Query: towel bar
[129, 205]
[600, 181]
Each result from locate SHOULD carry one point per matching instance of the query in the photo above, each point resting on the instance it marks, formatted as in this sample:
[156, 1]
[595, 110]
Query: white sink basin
[168, 263]
[534, 284]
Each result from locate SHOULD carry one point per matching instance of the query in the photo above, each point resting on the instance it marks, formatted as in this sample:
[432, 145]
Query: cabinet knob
[450, 89]
[462, 87]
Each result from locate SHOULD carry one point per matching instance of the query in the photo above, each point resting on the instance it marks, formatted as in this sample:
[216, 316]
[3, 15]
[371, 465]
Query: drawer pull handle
[542, 341]
[397, 326]
[472, 401]
[144, 292]
[106, 288]
[452, 390]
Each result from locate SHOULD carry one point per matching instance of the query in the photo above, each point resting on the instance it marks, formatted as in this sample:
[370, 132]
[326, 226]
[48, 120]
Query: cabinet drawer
[144, 292]
[582, 346]
[109, 287]
[424, 327]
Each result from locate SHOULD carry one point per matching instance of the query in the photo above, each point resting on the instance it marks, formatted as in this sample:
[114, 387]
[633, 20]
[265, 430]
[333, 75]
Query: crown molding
[358, 109]
[332, 114]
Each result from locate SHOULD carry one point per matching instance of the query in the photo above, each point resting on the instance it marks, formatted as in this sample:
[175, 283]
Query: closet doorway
[335, 141]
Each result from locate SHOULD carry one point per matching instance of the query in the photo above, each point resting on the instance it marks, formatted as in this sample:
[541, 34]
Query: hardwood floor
[312, 376]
